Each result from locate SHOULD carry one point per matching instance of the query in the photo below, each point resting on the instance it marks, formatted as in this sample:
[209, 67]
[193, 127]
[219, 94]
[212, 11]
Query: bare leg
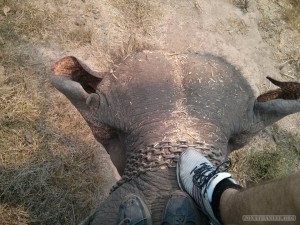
[221, 199]
[280, 197]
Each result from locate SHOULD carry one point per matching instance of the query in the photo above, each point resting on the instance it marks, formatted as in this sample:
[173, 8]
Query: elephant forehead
[202, 85]
[215, 90]
[148, 79]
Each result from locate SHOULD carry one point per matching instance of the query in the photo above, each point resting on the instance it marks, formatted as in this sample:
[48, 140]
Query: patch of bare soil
[52, 171]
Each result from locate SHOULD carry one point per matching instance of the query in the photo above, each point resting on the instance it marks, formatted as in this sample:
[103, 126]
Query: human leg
[278, 200]
[222, 199]
[204, 183]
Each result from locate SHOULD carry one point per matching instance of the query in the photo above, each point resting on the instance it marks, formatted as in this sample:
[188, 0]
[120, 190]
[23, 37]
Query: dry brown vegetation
[277, 30]
[242, 4]
[278, 155]
[274, 154]
[50, 167]
[292, 13]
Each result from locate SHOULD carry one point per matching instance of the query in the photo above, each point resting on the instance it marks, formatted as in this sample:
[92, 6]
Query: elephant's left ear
[75, 70]
[286, 90]
[77, 82]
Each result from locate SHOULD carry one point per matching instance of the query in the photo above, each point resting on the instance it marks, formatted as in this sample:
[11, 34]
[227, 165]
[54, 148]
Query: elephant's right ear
[286, 90]
[276, 104]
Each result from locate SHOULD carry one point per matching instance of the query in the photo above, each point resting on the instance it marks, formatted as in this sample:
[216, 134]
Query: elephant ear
[276, 104]
[287, 90]
[81, 86]
[77, 71]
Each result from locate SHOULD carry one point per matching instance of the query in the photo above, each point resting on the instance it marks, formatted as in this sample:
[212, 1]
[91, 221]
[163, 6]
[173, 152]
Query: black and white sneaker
[198, 177]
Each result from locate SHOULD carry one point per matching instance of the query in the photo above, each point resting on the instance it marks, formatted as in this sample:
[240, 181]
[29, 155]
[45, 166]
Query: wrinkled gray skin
[154, 95]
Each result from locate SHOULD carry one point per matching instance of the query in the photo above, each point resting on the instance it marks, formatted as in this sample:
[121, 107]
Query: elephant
[154, 105]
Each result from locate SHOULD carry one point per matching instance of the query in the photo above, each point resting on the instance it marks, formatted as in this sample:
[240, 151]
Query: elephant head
[153, 105]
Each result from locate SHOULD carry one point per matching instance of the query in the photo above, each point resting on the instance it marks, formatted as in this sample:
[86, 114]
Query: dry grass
[53, 189]
[134, 21]
[292, 13]
[13, 215]
[28, 20]
[279, 27]
[19, 107]
[136, 12]
[45, 166]
[38, 22]
[241, 4]
[275, 157]
[236, 26]
[268, 165]
[80, 36]
[49, 169]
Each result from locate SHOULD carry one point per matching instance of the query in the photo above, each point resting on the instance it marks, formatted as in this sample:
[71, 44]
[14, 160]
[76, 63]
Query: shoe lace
[179, 220]
[200, 179]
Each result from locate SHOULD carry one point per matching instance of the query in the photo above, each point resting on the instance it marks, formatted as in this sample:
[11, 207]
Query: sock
[216, 197]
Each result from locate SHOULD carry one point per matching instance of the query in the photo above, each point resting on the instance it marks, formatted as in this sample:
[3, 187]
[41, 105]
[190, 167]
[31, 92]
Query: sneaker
[198, 177]
[180, 210]
[133, 211]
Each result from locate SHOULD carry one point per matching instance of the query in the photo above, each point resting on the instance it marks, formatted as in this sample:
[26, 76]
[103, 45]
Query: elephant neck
[163, 155]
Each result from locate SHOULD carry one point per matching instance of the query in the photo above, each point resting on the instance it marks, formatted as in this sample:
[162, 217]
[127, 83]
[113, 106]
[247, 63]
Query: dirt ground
[52, 171]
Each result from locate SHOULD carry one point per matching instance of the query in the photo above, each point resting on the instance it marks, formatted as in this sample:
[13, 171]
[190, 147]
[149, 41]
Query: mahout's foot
[133, 211]
[200, 179]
